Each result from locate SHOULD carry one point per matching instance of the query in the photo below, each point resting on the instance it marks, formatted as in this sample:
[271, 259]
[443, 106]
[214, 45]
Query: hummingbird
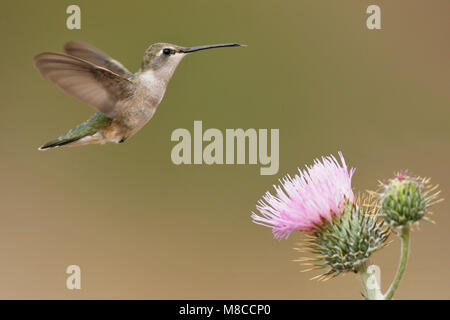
[125, 101]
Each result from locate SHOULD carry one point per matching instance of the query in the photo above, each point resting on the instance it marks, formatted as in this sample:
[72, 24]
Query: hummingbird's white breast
[135, 111]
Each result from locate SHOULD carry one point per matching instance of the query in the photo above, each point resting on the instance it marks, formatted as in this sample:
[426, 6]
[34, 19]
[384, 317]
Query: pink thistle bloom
[302, 202]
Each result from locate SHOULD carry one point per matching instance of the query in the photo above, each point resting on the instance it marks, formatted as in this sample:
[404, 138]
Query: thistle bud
[346, 242]
[405, 200]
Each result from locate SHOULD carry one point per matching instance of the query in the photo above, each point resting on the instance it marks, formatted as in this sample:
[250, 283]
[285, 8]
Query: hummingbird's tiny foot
[122, 140]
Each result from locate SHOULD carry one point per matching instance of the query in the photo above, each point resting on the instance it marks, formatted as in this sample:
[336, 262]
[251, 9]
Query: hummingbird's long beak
[193, 49]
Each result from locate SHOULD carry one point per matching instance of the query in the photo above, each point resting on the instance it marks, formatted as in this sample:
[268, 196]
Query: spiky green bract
[346, 242]
[406, 200]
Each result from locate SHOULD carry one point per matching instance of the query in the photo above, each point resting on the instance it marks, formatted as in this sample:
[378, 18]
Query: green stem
[369, 283]
[402, 265]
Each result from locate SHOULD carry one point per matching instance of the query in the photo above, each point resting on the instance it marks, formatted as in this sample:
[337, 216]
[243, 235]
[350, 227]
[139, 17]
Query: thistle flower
[405, 200]
[346, 243]
[308, 199]
[341, 233]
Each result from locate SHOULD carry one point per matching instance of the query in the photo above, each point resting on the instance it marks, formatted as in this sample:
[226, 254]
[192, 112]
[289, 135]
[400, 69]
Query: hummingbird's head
[160, 57]
[163, 58]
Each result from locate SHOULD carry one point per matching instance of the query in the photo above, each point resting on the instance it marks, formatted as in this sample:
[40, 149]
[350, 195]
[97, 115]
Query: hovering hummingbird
[125, 101]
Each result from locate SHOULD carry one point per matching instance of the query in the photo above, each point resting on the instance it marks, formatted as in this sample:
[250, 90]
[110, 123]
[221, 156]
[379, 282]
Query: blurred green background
[142, 228]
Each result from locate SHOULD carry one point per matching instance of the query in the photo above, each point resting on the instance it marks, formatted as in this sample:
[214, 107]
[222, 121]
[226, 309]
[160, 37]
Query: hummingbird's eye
[167, 51]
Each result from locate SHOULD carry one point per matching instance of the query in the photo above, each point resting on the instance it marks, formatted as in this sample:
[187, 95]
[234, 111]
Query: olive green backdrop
[142, 228]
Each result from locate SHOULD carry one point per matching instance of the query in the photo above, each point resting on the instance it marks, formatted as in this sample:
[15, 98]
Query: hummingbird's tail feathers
[79, 134]
[70, 137]
[57, 143]
[89, 53]
[97, 86]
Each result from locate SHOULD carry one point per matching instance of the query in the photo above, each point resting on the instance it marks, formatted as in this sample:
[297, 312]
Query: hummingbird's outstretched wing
[94, 85]
[87, 52]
